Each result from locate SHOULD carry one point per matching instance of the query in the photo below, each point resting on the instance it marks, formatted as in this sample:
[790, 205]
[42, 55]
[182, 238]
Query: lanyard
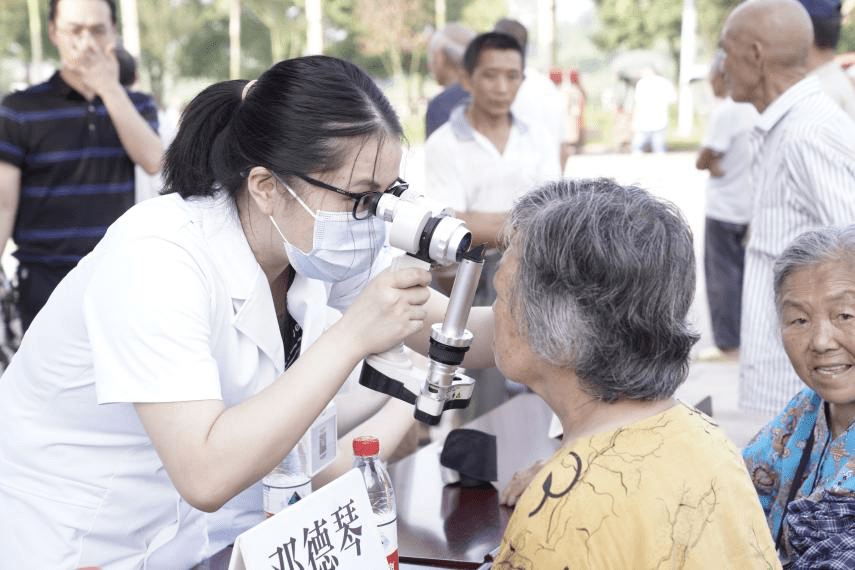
[797, 482]
[800, 472]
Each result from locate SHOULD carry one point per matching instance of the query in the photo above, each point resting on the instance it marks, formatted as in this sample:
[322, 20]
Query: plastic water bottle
[288, 482]
[381, 494]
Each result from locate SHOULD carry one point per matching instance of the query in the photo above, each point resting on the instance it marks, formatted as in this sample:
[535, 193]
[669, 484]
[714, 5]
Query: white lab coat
[171, 306]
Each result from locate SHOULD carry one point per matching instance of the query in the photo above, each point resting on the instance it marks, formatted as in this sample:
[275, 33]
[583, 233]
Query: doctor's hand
[389, 309]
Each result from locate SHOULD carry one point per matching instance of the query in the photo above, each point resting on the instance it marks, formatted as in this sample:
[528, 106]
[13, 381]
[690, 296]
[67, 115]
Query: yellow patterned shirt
[666, 492]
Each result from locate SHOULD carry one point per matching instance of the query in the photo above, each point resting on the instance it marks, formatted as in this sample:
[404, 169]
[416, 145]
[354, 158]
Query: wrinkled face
[514, 357]
[818, 329]
[495, 81]
[742, 75]
[81, 26]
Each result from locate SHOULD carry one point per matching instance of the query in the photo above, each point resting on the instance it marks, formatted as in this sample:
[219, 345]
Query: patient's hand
[519, 483]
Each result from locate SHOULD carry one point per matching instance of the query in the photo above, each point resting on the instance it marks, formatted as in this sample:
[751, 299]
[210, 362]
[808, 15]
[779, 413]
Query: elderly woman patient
[593, 291]
[803, 462]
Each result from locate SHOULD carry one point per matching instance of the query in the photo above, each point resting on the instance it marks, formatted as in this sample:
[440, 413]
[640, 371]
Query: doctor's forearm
[390, 425]
[480, 354]
[212, 453]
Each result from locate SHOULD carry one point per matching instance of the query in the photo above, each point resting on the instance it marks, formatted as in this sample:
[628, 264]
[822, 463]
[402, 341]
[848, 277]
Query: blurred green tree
[641, 24]
[14, 29]
[15, 41]
[847, 35]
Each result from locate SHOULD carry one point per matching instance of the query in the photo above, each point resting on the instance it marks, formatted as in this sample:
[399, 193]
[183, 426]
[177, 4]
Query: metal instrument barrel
[461, 298]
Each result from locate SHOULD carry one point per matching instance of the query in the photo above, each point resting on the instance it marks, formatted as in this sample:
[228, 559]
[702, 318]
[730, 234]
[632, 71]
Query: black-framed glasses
[363, 203]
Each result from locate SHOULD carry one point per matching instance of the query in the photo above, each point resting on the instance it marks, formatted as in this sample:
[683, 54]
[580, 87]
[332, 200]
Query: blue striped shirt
[803, 178]
[76, 177]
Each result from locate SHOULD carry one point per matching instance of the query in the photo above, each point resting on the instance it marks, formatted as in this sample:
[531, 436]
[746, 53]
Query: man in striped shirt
[803, 174]
[67, 151]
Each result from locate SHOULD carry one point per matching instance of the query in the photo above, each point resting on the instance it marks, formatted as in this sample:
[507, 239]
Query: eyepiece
[450, 240]
[463, 247]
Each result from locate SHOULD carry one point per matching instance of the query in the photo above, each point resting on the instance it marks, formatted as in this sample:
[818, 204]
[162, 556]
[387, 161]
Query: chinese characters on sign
[330, 529]
[317, 552]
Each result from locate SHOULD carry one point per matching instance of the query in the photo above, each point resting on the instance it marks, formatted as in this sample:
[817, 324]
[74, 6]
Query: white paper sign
[331, 529]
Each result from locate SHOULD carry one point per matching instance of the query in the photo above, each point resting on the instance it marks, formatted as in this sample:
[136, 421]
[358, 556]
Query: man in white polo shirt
[726, 152]
[484, 157]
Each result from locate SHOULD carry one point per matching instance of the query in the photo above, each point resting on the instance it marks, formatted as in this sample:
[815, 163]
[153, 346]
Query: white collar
[245, 281]
[464, 130]
[773, 114]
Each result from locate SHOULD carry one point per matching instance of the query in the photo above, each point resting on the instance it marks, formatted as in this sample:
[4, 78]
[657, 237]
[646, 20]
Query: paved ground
[672, 176]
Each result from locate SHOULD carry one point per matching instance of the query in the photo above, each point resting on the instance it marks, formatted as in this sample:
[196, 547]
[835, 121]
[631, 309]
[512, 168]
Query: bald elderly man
[803, 175]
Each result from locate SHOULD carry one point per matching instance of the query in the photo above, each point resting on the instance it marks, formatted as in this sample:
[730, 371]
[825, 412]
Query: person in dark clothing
[68, 149]
[446, 63]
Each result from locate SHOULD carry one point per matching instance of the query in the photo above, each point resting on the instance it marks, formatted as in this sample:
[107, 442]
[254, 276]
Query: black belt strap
[797, 482]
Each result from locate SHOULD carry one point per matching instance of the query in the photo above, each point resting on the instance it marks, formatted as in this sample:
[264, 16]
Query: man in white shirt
[485, 157]
[825, 15]
[445, 62]
[803, 174]
[725, 152]
[538, 101]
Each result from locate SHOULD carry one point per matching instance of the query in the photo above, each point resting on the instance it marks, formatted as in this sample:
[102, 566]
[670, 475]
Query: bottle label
[277, 498]
[293, 499]
[392, 560]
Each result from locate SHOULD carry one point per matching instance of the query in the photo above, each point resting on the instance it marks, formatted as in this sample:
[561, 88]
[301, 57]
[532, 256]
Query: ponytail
[290, 122]
[190, 167]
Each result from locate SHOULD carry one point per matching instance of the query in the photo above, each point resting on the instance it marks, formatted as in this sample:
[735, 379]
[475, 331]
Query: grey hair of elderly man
[605, 279]
[811, 249]
[446, 49]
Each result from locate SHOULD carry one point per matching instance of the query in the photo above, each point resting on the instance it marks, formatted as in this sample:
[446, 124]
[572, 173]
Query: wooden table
[442, 524]
[446, 526]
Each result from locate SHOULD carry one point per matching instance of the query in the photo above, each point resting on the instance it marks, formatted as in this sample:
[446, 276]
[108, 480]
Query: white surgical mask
[342, 248]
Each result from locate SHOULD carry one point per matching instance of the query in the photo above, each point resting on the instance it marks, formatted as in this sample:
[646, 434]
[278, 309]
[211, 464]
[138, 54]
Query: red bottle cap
[366, 445]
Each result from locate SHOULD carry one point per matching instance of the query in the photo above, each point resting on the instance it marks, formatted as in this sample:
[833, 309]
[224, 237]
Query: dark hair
[483, 42]
[605, 280]
[826, 32]
[127, 66]
[54, 3]
[289, 122]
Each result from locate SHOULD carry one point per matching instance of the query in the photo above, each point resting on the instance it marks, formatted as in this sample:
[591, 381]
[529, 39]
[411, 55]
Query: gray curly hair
[605, 279]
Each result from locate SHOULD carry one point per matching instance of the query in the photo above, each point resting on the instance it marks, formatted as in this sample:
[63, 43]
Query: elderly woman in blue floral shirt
[802, 463]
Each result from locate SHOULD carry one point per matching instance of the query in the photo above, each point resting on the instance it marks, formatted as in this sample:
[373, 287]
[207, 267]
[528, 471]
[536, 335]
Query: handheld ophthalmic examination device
[430, 236]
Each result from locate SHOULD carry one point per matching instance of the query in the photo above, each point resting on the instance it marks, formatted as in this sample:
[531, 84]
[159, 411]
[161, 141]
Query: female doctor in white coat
[163, 374]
